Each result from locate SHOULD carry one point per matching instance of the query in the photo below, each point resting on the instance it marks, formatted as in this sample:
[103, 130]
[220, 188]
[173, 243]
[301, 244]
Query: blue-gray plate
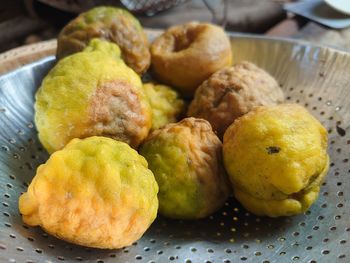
[313, 76]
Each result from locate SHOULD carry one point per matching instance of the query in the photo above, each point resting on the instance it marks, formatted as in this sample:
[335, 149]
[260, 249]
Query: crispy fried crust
[232, 92]
[276, 158]
[186, 160]
[116, 111]
[113, 24]
[96, 192]
[185, 55]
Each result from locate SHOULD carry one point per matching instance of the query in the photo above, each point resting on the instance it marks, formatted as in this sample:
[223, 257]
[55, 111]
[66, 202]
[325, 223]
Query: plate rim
[234, 35]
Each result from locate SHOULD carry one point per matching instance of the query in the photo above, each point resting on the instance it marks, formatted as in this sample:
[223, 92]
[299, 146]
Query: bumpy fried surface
[165, 103]
[185, 158]
[92, 93]
[232, 92]
[186, 55]
[96, 192]
[112, 24]
[276, 158]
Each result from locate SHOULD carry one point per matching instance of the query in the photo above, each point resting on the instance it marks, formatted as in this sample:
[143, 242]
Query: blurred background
[29, 21]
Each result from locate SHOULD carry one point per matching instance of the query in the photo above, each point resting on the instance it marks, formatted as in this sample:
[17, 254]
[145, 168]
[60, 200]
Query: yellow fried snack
[92, 93]
[165, 104]
[276, 157]
[110, 23]
[96, 44]
[186, 159]
[96, 192]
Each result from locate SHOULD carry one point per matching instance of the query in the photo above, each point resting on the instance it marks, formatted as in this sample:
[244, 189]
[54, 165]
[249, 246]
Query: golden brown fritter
[232, 92]
[186, 55]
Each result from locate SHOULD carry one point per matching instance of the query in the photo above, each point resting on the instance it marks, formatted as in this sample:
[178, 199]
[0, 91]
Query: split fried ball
[165, 103]
[276, 158]
[232, 92]
[112, 24]
[186, 55]
[96, 192]
[92, 93]
[185, 158]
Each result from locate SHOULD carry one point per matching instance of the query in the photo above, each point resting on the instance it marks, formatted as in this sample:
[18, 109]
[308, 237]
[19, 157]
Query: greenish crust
[107, 14]
[185, 158]
[168, 160]
[112, 24]
[105, 47]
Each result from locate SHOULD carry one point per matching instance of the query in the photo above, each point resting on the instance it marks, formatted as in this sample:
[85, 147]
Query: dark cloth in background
[29, 21]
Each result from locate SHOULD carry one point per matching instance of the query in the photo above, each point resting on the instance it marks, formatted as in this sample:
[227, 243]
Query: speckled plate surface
[315, 77]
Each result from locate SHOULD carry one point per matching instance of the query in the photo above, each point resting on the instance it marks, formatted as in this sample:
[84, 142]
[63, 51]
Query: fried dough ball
[186, 55]
[96, 192]
[165, 103]
[232, 92]
[276, 157]
[92, 93]
[112, 24]
[106, 47]
[185, 158]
